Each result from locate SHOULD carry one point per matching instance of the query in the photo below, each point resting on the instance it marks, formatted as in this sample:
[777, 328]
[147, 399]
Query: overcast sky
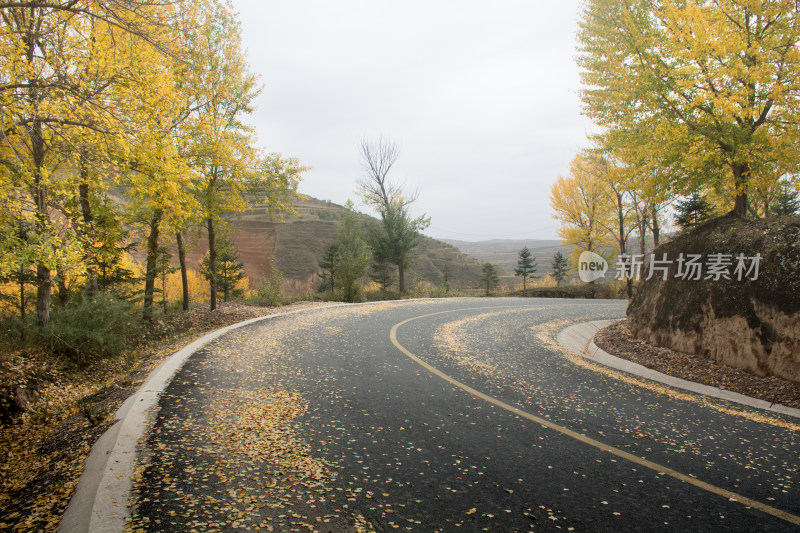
[482, 98]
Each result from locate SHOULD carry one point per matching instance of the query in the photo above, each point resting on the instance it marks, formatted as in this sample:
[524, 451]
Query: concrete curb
[100, 501]
[580, 338]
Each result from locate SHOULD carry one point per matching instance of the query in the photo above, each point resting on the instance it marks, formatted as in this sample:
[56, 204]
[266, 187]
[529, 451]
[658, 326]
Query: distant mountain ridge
[504, 252]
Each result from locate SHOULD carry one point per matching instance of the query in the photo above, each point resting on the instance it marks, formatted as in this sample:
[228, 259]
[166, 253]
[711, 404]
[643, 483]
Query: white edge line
[580, 339]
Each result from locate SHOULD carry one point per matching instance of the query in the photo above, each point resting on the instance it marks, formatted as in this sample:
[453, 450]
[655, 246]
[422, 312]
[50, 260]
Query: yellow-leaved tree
[221, 147]
[709, 88]
[581, 203]
[65, 77]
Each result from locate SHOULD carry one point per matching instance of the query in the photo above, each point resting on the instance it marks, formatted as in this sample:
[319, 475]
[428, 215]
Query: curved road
[450, 415]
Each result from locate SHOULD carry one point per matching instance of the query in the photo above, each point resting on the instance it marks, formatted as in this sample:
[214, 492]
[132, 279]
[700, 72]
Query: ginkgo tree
[713, 85]
[580, 203]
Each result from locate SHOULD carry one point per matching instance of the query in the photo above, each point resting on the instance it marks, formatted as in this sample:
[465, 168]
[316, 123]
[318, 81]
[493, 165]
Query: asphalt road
[451, 415]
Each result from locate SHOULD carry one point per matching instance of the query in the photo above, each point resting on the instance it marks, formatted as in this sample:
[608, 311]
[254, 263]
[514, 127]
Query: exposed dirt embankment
[736, 316]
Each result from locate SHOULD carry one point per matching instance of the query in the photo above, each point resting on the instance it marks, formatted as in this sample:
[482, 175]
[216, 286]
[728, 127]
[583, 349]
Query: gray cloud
[482, 99]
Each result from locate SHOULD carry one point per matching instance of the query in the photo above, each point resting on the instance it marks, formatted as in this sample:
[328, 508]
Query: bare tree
[378, 156]
[398, 234]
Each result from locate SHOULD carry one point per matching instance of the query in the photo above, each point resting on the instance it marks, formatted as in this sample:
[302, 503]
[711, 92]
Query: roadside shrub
[294, 290]
[16, 330]
[612, 290]
[268, 291]
[88, 329]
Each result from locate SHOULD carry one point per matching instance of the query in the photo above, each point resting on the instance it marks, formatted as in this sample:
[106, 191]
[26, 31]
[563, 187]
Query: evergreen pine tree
[692, 211]
[353, 254]
[787, 202]
[526, 266]
[229, 268]
[328, 265]
[381, 271]
[560, 267]
[490, 277]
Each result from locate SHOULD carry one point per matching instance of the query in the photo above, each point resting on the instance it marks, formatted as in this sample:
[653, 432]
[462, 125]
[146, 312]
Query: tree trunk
[643, 227]
[150, 269]
[61, 283]
[22, 303]
[212, 263]
[741, 173]
[184, 274]
[623, 244]
[43, 285]
[88, 219]
[656, 229]
[43, 279]
[401, 281]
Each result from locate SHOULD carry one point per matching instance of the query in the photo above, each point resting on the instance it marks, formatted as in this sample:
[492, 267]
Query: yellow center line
[661, 470]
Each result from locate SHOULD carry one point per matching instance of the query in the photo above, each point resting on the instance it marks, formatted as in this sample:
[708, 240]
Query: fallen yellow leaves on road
[257, 425]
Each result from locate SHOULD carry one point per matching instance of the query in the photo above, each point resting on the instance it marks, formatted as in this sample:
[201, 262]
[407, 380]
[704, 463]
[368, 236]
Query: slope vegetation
[297, 245]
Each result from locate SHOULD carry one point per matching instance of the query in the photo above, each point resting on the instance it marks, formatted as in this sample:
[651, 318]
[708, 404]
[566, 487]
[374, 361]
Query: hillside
[299, 242]
[503, 252]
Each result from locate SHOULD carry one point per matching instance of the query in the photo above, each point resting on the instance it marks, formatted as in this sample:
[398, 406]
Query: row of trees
[381, 247]
[698, 94]
[345, 262]
[526, 268]
[601, 206]
[694, 99]
[116, 116]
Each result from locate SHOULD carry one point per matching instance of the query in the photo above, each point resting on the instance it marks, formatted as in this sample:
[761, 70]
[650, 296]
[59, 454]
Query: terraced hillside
[299, 242]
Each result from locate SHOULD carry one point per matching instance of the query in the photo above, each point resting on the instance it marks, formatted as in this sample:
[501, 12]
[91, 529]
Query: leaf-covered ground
[255, 438]
[230, 448]
[43, 450]
[318, 423]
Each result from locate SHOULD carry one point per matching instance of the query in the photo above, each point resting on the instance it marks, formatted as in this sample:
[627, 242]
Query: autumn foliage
[121, 124]
[691, 97]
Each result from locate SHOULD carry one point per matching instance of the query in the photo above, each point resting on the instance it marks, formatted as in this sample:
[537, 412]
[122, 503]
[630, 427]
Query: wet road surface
[320, 422]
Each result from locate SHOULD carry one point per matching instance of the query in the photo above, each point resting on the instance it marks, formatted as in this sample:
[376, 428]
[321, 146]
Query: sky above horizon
[482, 100]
